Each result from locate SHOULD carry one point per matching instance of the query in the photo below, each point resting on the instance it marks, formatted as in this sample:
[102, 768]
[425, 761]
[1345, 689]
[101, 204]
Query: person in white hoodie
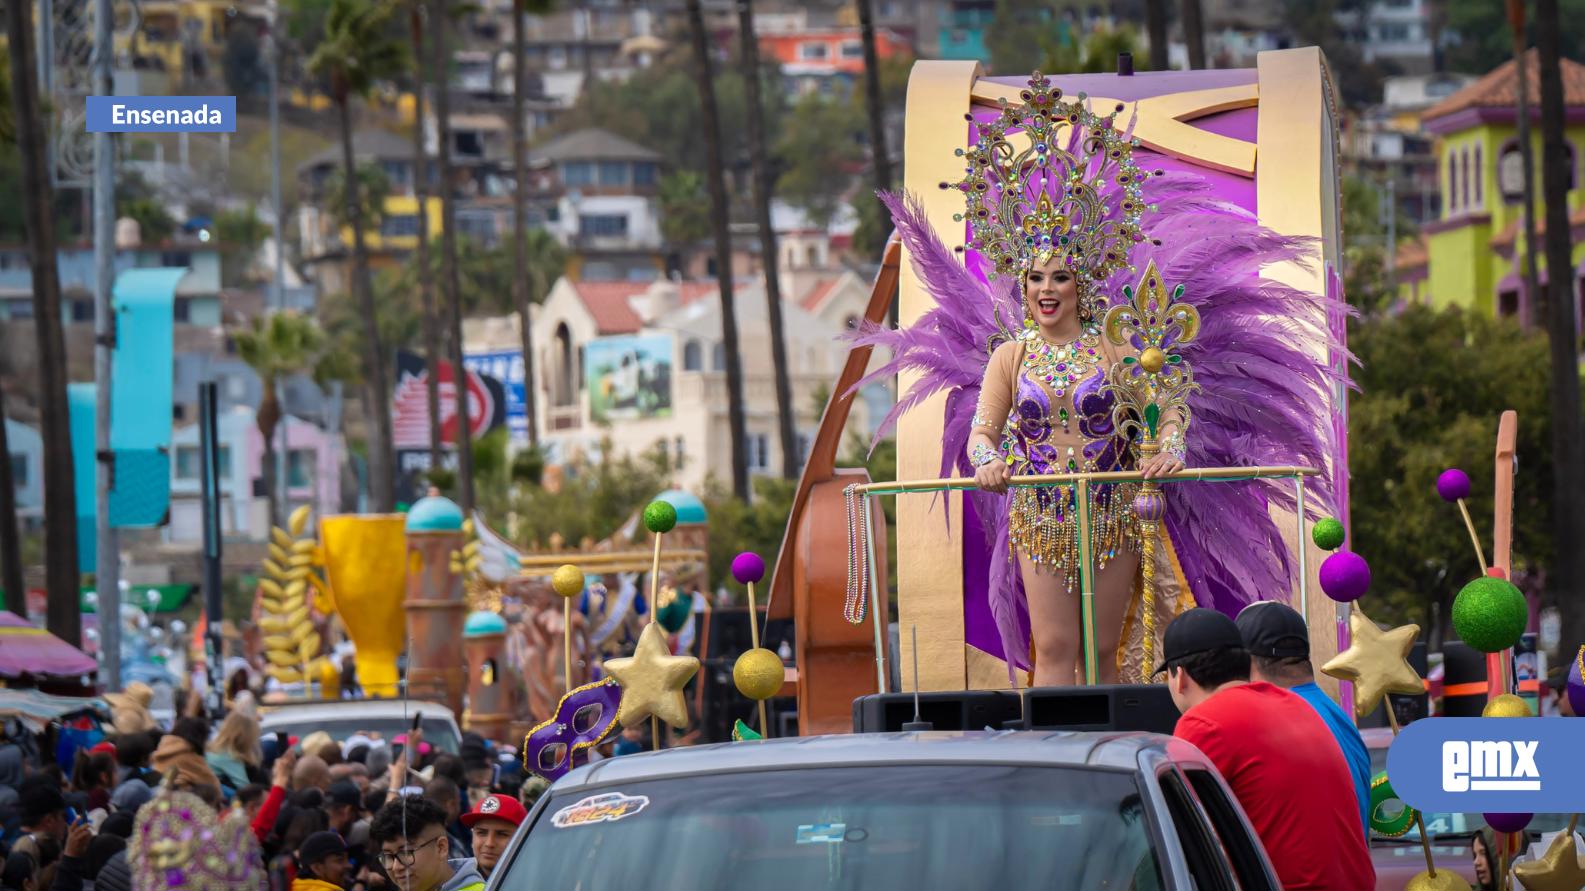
[416, 851]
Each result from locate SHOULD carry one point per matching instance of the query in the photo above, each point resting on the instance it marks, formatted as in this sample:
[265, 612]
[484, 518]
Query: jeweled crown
[1047, 178]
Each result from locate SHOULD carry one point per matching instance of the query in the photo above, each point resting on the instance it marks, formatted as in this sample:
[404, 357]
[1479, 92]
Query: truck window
[1207, 869]
[1236, 836]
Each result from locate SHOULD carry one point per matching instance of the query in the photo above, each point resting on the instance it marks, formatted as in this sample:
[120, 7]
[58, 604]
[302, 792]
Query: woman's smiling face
[1051, 294]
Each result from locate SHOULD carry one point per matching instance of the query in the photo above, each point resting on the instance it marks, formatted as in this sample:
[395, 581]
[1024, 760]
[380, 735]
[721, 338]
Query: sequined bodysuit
[1049, 408]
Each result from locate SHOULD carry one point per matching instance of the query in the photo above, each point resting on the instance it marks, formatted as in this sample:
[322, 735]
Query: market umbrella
[27, 649]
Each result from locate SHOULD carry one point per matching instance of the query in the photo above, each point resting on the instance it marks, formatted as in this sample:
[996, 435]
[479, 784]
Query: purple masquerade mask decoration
[583, 719]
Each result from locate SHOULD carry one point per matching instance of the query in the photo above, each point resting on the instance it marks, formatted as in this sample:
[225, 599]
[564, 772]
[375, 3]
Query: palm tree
[1568, 423]
[880, 156]
[1156, 29]
[357, 51]
[440, 21]
[1194, 33]
[15, 598]
[790, 457]
[520, 188]
[62, 579]
[705, 77]
[277, 347]
[426, 285]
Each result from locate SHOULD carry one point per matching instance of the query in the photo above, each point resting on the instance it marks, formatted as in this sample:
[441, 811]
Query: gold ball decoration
[1445, 880]
[1152, 360]
[758, 674]
[1507, 706]
[567, 580]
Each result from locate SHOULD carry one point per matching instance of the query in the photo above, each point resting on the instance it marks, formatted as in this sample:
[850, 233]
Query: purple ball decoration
[1452, 485]
[748, 568]
[1576, 683]
[1150, 507]
[1506, 823]
[1345, 576]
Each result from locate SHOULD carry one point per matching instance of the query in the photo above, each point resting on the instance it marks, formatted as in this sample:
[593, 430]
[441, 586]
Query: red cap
[108, 747]
[495, 807]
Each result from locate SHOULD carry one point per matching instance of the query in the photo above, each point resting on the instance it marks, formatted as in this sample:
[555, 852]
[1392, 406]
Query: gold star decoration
[652, 680]
[1376, 662]
[1558, 869]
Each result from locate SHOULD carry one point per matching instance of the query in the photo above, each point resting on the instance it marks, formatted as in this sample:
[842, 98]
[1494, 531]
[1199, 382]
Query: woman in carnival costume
[1061, 218]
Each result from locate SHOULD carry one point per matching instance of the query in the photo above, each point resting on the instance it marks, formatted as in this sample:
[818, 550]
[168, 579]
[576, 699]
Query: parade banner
[1486, 765]
[629, 377]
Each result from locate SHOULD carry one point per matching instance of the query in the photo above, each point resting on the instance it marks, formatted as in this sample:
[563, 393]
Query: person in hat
[1278, 642]
[1267, 742]
[322, 863]
[129, 709]
[493, 821]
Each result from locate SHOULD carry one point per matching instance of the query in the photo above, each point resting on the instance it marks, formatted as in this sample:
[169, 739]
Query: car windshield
[1450, 825]
[437, 733]
[898, 828]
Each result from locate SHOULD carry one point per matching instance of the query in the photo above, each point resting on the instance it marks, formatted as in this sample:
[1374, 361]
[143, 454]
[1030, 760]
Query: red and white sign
[410, 404]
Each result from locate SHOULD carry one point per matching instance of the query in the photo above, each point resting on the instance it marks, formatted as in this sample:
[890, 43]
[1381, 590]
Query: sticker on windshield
[822, 833]
[606, 808]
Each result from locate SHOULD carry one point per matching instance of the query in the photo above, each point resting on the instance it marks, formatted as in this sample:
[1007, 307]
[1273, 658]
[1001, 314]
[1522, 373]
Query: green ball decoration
[1327, 534]
[1490, 614]
[660, 517]
[1381, 824]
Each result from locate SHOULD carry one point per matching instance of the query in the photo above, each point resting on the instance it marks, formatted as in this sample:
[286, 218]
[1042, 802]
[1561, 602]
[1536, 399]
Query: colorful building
[1470, 256]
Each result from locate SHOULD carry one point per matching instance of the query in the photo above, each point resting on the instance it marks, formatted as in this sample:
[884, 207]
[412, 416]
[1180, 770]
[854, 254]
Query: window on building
[468, 143]
[1464, 179]
[19, 308]
[644, 173]
[852, 49]
[399, 225]
[613, 173]
[82, 310]
[814, 255]
[718, 359]
[680, 452]
[813, 51]
[190, 466]
[299, 467]
[577, 173]
[597, 225]
[176, 258]
[399, 173]
[182, 310]
[19, 468]
[564, 365]
[1510, 173]
[1452, 181]
[1480, 180]
[692, 356]
[758, 447]
[1508, 304]
[803, 447]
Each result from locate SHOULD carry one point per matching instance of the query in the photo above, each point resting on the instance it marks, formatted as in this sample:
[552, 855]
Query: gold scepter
[1145, 390]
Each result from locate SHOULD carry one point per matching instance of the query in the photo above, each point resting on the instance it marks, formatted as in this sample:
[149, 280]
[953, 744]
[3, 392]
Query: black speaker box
[1111, 707]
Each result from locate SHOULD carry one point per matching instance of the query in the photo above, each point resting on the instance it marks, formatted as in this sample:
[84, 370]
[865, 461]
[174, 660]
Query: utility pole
[107, 564]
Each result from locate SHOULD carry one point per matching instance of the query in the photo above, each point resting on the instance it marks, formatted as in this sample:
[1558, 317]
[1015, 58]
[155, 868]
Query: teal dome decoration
[690, 510]
[483, 622]
[433, 513]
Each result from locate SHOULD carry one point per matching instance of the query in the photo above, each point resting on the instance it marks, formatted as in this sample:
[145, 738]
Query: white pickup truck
[342, 718]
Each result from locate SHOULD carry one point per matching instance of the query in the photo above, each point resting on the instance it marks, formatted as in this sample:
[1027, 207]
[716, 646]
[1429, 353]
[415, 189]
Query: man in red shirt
[1275, 752]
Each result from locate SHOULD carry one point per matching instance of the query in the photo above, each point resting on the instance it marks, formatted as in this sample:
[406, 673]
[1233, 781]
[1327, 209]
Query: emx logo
[1490, 766]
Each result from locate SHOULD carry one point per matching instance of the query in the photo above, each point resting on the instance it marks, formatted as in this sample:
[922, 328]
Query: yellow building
[1468, 257]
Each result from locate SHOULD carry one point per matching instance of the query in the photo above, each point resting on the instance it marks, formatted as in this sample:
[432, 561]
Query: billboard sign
[629, 377]
[505, 366]
[410, 404]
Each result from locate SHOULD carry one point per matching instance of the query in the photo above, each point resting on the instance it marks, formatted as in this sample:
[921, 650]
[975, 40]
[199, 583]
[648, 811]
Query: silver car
[894, 812]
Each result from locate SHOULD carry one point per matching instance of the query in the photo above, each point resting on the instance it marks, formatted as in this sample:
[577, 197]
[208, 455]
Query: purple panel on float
[1142, 85]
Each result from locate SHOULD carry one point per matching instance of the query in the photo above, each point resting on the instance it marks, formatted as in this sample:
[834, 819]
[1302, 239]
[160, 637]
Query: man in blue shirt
[1278, 642]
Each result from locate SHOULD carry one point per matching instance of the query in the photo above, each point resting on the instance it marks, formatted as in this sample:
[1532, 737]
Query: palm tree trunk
[382, 458]
[1194, 33]
[791, 459]
[880, 156]
[705, 77]
[15, 598]
[439, 21]
[426, 287]
[1156, 32]
[520, 188]
[62, 579]
[267, 419]
[1532, 277]
[1568, 423]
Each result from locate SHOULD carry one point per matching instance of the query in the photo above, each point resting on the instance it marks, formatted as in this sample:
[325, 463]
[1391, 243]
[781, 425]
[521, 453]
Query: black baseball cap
[318, 846]
[1196, 631]
[344, 792]
[1273, 630]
